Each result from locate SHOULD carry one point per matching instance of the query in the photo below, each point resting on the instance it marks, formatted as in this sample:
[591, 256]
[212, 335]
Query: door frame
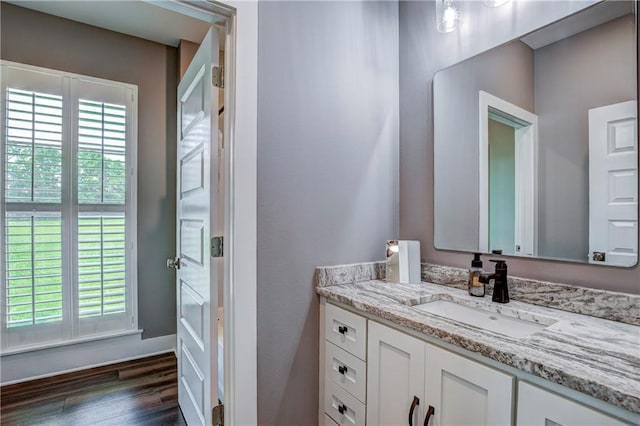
[240, 198]
[525, 125]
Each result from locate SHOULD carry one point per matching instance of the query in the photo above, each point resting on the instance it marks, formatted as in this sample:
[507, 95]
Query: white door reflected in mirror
[613, 185]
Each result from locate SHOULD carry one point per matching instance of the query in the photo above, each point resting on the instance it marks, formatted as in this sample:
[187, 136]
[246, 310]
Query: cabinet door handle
[342, 330]
[342, 369]
[416, 401]
[342, 408]
[430, 412]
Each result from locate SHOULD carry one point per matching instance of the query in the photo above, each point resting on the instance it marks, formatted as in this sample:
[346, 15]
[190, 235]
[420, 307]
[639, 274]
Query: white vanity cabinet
[409, 378]
[371, 374]
[539, 407]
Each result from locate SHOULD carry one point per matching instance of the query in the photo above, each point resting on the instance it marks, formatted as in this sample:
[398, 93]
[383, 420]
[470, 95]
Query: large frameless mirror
[536, 146]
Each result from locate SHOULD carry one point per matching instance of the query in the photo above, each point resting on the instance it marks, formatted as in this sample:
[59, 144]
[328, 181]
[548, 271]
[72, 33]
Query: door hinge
[217, 415]
[217, 77]
[217, 246]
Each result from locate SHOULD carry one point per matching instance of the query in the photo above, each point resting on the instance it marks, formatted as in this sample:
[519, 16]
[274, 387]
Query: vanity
[429, 354]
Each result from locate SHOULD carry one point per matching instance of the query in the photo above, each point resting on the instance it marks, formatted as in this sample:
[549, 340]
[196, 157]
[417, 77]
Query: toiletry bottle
[476, 288]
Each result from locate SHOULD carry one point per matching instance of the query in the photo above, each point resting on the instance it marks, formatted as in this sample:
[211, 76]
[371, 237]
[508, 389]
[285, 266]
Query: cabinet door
[464, 392]
[538, 407]
[395, 375]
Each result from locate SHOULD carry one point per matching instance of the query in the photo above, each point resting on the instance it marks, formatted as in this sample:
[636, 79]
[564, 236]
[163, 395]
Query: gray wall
[327, 176]
[423, 51]
[38, 39]
[602, 60]
[505, 72]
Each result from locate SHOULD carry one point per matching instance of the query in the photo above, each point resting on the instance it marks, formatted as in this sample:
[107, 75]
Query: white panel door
[537, 407]
[613, 184]
[395, 377]
[197, 295]
[464, 392]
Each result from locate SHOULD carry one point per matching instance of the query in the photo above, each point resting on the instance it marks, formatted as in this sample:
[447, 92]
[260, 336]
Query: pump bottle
[476, 288]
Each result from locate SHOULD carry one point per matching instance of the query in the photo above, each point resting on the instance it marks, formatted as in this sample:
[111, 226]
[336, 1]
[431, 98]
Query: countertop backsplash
[614, 306]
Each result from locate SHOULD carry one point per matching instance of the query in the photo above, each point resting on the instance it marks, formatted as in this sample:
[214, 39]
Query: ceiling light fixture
[447, 15]
[495, 3]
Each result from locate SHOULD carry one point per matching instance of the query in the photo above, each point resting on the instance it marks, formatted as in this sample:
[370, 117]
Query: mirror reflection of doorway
[508, 178]
[502, 191]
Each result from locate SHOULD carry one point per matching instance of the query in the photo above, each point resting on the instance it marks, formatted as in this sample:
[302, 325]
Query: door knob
[173, 263]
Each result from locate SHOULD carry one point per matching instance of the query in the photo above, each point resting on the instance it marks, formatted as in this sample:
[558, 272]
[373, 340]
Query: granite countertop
[594, 356]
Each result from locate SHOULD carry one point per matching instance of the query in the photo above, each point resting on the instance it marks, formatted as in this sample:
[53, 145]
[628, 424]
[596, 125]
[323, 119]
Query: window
[67, 217]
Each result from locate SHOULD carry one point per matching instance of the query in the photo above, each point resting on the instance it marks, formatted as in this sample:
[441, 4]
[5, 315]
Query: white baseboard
[37, 364]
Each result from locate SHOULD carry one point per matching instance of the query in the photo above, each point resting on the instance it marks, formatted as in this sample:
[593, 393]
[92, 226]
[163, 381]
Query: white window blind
[101, 153]
[101, 234]
[101, 264]
[68, 214]
[34, 268]
[33, 161]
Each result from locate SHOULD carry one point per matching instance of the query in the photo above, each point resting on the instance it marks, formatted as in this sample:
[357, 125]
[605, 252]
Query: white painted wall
[327, 176]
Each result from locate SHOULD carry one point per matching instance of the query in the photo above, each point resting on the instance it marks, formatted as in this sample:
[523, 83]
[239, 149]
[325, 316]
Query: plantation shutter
[33, 174]
[33, 293]
[101, 188]
[67, 214]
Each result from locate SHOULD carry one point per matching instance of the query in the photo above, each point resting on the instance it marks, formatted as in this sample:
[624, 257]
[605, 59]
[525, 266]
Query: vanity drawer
[337, 399]
[346, 330]
[328, 421]
[346, 370]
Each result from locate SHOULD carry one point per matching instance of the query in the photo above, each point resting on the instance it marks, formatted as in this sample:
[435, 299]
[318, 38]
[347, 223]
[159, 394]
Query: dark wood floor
[140, 392]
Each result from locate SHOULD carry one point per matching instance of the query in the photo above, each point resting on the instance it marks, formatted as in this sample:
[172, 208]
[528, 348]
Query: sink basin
[503, 320]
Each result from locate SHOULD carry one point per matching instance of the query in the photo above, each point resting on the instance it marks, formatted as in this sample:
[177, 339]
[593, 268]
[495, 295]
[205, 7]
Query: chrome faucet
[499, 277]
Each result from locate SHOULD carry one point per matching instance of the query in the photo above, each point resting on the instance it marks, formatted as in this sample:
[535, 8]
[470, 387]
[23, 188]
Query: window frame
[72, 327]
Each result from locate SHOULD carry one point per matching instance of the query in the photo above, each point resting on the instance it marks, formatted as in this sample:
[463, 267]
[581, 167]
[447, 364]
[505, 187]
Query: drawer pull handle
[342, 369]
[342, 330]
[342, 408]
[430, 412]
[416, 401]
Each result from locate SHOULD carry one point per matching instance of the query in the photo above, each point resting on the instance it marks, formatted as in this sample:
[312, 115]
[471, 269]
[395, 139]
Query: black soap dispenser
[476, 287]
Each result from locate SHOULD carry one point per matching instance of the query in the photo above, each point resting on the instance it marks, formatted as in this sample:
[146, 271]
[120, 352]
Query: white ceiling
[577, 23]
[151, 20]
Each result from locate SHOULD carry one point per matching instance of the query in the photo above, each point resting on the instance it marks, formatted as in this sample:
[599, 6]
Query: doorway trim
[240, 210]
[525, 125]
